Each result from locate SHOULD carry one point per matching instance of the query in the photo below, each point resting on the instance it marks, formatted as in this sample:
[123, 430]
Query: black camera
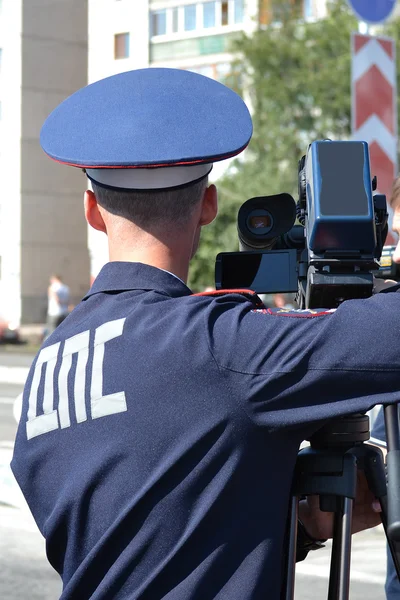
[333, 250]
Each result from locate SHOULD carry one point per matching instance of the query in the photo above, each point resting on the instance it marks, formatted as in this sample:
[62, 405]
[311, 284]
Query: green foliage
[295, 77]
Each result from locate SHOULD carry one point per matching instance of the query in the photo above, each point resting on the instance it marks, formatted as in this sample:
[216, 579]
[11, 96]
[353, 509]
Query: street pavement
[26, 575]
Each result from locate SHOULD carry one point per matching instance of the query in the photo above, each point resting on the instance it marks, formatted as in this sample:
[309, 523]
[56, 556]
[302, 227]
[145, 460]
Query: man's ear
[92, 213]
[209, 208]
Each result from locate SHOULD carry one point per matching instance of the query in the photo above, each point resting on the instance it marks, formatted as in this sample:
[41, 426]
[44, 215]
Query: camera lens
[262, 219]
[260, 222]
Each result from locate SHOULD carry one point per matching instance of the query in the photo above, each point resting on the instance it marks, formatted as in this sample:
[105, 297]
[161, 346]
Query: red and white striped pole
[374, 105]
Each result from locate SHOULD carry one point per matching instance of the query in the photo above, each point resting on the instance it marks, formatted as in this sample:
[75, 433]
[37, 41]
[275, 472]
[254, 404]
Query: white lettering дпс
[100, 406]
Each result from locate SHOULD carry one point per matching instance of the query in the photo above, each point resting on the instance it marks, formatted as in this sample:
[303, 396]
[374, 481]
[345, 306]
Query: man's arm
[293, 369]
[318, 525]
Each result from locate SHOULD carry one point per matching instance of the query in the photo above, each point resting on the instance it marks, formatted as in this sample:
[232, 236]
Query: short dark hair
[147, 209]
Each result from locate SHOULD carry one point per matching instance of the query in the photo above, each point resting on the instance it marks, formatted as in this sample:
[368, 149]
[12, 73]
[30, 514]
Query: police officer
[160, 429]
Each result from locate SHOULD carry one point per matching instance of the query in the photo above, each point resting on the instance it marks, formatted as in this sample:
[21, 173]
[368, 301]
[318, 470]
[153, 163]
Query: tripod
[328, 468]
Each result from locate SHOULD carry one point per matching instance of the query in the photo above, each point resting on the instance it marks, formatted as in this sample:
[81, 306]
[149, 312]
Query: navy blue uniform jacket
[159, 431]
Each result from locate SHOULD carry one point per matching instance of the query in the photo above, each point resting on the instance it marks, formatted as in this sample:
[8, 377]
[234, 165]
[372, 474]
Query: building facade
[190, 34]
[43, 54]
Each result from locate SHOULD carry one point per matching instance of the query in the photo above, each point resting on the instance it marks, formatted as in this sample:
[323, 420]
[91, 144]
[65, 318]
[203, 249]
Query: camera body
[332, 252]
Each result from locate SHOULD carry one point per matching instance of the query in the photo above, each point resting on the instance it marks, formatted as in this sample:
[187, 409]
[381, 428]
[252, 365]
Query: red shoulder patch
[249, 294]
[307, 313]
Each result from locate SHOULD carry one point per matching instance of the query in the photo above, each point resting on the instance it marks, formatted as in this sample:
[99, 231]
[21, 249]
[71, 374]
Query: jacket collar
[122, 276]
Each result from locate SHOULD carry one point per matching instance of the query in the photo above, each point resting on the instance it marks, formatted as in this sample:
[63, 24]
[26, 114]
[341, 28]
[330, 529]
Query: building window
[224, 12]
[196, 17]
[159, 22]
[209, 14]
[121, 45]
[238, 11]
[277, 12]
[190, 17]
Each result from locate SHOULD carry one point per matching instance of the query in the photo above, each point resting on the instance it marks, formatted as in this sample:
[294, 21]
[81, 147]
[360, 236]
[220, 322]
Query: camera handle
[331, 472]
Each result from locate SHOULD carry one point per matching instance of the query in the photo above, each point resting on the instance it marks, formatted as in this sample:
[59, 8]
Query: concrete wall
[10, 137]
[53, 229]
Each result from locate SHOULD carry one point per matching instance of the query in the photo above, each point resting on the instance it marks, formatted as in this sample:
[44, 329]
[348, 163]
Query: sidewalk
[13, 375]
[10, 494]
[25, 573]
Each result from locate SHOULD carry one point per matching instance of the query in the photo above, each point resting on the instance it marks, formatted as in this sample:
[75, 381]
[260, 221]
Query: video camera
[333, 251]
[330, 255]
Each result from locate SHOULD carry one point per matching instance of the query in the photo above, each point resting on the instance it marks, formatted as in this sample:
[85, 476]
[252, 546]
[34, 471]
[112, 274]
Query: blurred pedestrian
[58, 295]
[281, 301]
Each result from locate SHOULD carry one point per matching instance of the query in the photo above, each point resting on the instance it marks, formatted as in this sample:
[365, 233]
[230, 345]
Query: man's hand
[382, 284]
[366, 512]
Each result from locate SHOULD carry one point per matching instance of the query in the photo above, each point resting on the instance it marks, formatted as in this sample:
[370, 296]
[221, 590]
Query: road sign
[374, 104]
[372, 11]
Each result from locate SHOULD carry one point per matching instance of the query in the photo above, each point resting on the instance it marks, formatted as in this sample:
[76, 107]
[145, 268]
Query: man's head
[55, 278]
[147, 140]
[134, 218]
[152, 211]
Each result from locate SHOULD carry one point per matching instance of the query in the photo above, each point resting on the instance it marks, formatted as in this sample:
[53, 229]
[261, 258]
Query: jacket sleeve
[287, 368]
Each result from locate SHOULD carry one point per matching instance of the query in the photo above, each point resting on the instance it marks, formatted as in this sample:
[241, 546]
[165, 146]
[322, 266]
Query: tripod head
[343, 433]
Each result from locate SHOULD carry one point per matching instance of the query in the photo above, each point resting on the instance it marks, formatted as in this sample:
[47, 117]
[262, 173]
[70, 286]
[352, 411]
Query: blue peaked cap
[148, 119]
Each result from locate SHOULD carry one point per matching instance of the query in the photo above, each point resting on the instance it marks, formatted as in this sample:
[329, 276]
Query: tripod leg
[344, 574]
[375, 472]
[339, 578]
[394, 546]
[335, 555]
[393, 471]
[289, 576]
